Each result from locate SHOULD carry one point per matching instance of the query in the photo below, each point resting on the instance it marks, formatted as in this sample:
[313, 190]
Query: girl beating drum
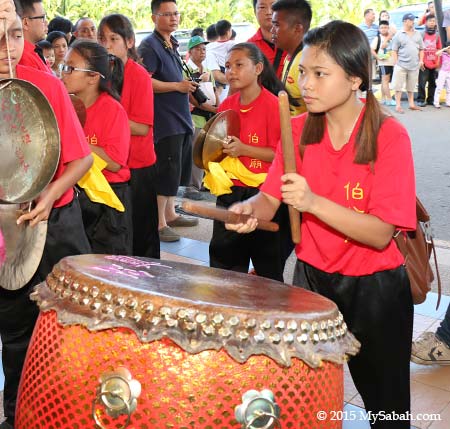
[87, 72]
[354, 187]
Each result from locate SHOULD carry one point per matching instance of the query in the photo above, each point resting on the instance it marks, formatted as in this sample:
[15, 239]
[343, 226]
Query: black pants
[232, 251]
[427, 76]
[18, 314]
[144, 212]
[173, 163]
[108, 230]
[378, 310]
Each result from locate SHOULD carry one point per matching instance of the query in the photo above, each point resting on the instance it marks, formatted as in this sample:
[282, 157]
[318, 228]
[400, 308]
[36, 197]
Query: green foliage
[205, 12]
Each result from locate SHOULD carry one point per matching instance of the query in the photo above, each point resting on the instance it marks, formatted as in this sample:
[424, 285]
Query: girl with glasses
[117, 36]
[95, 77]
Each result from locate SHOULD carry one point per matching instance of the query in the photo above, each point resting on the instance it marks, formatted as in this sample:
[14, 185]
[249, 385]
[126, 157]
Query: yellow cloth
[97, 187]
[291, 83]
[218, 178]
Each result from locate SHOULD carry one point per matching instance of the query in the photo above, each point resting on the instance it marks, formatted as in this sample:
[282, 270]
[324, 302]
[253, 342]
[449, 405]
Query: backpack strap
[378, 43]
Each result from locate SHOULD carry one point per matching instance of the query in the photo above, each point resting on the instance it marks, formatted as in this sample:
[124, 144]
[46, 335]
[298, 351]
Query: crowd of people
[144, 106]
[410, 58]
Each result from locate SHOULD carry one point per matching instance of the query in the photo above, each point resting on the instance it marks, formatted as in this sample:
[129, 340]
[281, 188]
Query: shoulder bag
[417, 246]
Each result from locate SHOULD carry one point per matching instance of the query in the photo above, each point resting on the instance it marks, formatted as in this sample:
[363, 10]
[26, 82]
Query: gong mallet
[225, 216]
[288, 158]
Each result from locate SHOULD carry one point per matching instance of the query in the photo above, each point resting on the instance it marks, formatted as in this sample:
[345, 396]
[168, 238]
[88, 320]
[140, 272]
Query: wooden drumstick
[226, 216]
[288, 158]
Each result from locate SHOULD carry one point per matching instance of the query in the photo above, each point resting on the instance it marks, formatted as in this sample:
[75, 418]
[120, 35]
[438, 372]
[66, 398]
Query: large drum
[141, 343]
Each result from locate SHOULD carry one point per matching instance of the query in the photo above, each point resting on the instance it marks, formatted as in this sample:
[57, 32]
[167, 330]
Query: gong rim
[225, 124]
[197, 150]
[30, 141]
[24, 246]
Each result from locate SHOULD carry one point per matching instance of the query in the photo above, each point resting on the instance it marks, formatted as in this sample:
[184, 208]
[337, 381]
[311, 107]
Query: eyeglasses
[41, 17]
[65, 68]
[168, 14]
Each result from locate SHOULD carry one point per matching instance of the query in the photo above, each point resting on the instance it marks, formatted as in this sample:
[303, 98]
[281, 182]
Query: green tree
[205, 12]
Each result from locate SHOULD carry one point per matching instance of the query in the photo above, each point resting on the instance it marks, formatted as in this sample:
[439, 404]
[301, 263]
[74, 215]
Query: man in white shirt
[216, 55]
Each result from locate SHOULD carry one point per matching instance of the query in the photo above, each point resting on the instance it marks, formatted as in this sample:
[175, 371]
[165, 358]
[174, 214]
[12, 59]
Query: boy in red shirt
[428, 72]
[56, 204]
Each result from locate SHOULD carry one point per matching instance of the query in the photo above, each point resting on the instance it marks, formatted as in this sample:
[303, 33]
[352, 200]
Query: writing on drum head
[134, 272]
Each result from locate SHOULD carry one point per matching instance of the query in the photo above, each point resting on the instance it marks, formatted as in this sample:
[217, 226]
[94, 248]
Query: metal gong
[29, 141]
[225, 124]
[24, 246]
[197, 150]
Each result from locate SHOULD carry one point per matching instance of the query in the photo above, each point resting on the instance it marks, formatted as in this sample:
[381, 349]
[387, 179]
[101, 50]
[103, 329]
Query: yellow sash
[218, 178]
[97, 187]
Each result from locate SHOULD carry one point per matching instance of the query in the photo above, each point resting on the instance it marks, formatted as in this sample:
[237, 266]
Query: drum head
[197, 151]
[29, 141]
[224, 124]
[24, 246]
[199, 308]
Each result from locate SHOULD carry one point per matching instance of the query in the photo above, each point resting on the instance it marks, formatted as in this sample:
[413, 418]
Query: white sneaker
[429, 350]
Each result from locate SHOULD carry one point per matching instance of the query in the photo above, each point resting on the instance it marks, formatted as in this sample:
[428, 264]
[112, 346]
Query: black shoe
[192, 195]
[421, 103]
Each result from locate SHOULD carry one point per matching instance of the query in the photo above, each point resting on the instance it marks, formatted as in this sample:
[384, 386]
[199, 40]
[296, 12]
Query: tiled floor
[430, 385]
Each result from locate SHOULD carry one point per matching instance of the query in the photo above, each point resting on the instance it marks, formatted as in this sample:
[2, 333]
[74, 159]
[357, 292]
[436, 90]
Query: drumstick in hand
[226, 216]
[288, 158]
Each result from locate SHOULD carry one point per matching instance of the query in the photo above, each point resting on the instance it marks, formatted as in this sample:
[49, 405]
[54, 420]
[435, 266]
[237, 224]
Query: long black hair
[108, 66]
[268, 79]
[350, 49]
[122, 26]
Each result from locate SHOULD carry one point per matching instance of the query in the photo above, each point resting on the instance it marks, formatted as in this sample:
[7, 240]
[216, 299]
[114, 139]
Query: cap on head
[408, 16]
[195, 41]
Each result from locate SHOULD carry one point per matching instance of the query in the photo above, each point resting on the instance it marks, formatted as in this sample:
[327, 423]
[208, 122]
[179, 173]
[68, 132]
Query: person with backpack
[428, 72]
[381, 47]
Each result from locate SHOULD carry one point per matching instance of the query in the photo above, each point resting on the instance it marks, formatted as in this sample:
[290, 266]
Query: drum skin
[179, 390]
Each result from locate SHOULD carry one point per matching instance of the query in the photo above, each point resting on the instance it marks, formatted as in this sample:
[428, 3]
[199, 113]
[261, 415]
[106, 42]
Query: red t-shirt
[107, 126]
[137, 100]
[73, 142]
[31, 59]
[388, 193]
[269, 50]
[431, 44]
[260, 126]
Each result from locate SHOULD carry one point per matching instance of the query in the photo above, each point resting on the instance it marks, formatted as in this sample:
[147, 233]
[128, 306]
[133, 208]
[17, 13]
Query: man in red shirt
[34, 24]
[263, 37]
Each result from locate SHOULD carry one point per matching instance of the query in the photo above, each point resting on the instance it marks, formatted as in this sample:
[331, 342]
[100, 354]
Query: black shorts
[386, 70]
[173, 163]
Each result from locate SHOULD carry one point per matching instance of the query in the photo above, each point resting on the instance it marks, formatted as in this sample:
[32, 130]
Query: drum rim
[99, 304]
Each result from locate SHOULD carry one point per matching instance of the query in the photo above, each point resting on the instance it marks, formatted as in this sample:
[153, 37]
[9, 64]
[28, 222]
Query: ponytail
[116, 73]
[366, 139]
